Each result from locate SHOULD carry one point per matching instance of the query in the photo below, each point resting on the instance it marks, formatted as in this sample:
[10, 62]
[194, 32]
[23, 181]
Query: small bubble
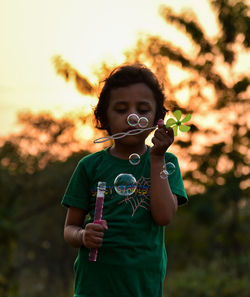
[163, 174]
[125, 184]
[143, 122]
[134, 159]
[133, 119]
[170, 168]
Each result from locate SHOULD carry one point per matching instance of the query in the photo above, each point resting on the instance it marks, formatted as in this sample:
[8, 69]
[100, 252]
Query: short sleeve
[175, 180]
[77, 191]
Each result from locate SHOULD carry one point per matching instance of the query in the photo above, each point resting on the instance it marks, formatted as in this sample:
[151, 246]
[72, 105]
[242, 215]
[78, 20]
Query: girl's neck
[123, 152]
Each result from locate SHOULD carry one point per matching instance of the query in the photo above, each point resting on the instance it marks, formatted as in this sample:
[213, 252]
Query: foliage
[32, 184]
[45, 258]
[217, 170]
[209, 279]
[68, 72]
[216, 162]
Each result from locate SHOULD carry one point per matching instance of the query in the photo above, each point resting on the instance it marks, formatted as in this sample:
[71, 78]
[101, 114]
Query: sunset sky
[84, 33]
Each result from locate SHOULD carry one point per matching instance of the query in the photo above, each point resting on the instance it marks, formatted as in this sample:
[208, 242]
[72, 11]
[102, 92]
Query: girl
[132, 259]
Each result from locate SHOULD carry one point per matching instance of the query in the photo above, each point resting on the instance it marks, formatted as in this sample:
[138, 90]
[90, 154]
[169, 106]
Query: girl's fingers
[163, 129]
[170, 132]
[161, 134]
[162, 139]
[96, 226]
[97, 240]
[156, 141]
[104, 224]
[164, 134]
[94, 233]
[94, 243]
[97, 234]
[93, 239]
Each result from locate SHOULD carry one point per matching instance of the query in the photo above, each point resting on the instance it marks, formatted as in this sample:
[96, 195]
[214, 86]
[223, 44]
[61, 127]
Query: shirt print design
[141, 197]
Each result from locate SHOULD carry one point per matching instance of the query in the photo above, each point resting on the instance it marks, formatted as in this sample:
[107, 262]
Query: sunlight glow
[84, 33]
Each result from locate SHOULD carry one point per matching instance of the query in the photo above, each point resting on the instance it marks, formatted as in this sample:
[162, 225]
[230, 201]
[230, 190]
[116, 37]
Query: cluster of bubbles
[125, 184]
[134, 120]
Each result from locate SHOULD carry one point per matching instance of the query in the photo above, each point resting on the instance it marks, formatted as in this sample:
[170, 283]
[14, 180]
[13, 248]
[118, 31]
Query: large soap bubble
[125, 184]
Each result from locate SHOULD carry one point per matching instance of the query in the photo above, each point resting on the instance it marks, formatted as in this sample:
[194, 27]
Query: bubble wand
[101, 188]
[176, 124]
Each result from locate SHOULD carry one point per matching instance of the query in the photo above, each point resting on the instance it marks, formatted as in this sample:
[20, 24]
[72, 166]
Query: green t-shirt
[132, 260]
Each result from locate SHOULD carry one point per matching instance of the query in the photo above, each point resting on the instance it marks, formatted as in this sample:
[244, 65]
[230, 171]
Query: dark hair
[124, 76]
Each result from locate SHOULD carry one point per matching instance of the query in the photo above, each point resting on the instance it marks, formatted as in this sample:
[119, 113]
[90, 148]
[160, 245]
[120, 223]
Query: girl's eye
[121, 110]
[143, 111]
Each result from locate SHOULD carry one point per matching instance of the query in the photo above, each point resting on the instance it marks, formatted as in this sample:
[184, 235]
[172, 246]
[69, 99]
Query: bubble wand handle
[101, 188]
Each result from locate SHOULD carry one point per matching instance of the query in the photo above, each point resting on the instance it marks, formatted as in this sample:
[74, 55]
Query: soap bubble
[163, 174]
[125, 184]
[133, 119]
[143, 122]
[168, 169]
[134, 159]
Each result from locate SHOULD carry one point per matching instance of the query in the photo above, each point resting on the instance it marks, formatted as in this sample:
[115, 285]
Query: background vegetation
[208, 243]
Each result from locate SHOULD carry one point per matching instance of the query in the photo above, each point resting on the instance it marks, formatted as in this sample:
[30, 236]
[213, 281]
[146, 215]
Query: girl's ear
[105, 125]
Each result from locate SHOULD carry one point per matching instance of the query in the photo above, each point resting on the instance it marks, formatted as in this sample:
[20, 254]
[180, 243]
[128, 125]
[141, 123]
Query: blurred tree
[35, 166]
[216, 151]
[42, 257]
[11, 186]
[69, 73]
[46, 138]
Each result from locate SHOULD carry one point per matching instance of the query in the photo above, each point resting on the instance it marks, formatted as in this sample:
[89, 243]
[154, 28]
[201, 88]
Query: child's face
[137, 98]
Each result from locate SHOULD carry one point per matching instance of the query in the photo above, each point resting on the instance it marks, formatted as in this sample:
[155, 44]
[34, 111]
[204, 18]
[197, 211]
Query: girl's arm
[76, 236]
[163, 202]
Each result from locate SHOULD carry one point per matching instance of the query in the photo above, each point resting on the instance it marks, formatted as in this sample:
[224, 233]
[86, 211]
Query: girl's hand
[93, 234]
[162, 139]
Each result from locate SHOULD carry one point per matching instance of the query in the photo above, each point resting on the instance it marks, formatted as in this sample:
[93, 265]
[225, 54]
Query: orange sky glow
[84, 33]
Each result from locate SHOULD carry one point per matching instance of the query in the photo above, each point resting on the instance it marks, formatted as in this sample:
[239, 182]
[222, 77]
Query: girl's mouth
[129, 129]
